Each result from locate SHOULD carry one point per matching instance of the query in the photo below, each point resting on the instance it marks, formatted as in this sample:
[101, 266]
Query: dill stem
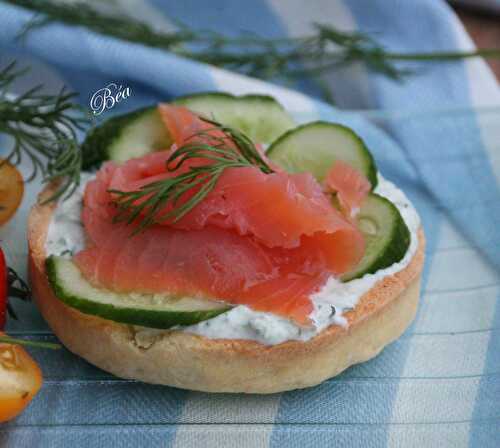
[444, 55]
[39, 344]
[220, 48]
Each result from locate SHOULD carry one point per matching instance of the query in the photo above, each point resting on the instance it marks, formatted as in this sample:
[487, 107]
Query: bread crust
[189, 361]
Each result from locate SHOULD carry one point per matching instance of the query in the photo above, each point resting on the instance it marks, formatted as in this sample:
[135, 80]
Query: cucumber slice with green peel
[126, 136]
[386, 235]
[314, 147]
[147, 310]
[142, 131]
[260, 117]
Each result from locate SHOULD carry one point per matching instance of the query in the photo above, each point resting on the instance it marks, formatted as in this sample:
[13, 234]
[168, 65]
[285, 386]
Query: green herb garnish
[232, 149]
[37, 344]
[280, 58]
[44, 129]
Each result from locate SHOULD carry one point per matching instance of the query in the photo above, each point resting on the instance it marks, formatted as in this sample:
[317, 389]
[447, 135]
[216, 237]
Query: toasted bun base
[188, 361]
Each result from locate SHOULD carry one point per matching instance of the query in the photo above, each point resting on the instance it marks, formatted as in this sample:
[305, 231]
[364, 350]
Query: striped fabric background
[437, 135]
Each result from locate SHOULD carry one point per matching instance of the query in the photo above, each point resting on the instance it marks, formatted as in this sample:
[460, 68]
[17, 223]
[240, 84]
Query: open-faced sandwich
[190, 256]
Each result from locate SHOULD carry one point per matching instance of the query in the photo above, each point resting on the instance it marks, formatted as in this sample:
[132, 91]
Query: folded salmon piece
[349, 184]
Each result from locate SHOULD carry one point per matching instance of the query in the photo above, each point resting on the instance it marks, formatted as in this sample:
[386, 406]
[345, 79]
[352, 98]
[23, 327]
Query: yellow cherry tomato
[11, 190]
[20, 380]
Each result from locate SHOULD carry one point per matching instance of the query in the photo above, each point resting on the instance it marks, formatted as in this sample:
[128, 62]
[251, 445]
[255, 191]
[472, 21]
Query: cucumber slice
[260, 117]
[126, 136]
[386, 234]
[314, 147]
[136, 309]
[140, 132]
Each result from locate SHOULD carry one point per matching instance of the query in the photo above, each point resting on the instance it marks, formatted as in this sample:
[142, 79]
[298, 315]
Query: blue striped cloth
[437, 135]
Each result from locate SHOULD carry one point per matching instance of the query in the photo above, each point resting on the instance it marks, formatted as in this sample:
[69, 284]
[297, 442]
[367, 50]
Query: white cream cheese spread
[66, 236]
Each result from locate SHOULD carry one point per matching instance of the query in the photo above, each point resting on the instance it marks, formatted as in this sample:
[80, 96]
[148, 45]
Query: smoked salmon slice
[271, 207]
[267, 241]
[211, 263]
[350, 185]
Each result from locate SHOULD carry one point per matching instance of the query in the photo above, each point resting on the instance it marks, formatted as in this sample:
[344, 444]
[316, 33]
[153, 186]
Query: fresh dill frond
[231, 149]
[65, 168]
[44, 130]
[288, 58]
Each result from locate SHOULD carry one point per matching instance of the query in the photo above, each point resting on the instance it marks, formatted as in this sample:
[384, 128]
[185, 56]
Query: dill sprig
[231, 149]
[280, 58]
[66, 168]
[44, 129]
[29, 343]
